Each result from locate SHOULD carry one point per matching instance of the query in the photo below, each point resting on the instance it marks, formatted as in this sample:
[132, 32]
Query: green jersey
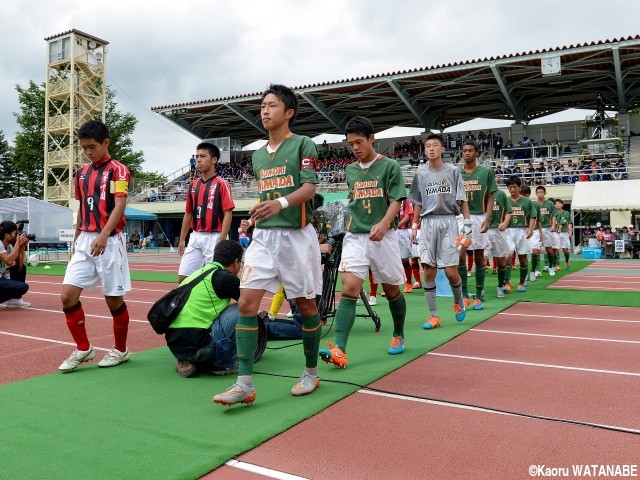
[522, 211]
[283, 172]
[547, 210]
[478, 184]
[563, 219]
[371, 191]
[501, 207]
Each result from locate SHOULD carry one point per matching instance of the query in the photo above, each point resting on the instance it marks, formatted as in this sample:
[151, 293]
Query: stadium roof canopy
[510, 87]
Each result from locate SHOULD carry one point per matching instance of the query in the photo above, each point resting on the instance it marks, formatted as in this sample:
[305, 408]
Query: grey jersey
[438, 191]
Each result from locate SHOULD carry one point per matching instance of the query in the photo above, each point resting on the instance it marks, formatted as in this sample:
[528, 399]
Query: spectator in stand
[153, 196]
[192, 165]
[497, 145]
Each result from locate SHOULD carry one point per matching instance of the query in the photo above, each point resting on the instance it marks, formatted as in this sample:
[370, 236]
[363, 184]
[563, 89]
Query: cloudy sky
[164, 52]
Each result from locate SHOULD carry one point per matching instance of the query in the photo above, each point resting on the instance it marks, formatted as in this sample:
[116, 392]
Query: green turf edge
[58, 269]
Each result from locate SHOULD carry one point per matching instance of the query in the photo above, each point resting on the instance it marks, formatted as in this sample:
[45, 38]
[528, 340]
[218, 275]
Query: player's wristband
[414, 226]
[283, 201]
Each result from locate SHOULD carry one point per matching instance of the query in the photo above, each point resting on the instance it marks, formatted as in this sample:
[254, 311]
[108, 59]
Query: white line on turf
[533, 364]
[546, 317]
[476, 409]
[267, 472]
[59, 342]
[482, 330]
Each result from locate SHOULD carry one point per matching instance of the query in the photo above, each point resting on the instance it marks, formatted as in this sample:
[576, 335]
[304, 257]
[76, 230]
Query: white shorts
[359, 254]
[438, 241]
[518, 242]
[534, 241]
[415, 247]
[404, 243]
[556, 240]
[290, 256]
[199, 252]
[111, 268]
[548, 238]
[563, 240]
[480, 240]
[499, 243]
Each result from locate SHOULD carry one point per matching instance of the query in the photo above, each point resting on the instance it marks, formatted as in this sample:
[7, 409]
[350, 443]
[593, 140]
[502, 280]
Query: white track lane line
[546, 317]
[600, 289]
[106, 317]
[84, 297]
[533, 364]
[506, 332]
[479, 409]
[267, 472]
[48, 340]
[589, 279]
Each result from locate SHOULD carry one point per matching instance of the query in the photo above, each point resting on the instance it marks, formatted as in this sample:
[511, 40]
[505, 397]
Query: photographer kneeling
[202, 336]
[12, 268]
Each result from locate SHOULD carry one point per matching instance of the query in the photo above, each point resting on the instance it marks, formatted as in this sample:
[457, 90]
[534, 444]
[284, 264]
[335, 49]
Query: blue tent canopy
[135, 214]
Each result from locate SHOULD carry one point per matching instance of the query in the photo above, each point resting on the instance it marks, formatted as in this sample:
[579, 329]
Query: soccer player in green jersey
[500, 219]
[284, 248]
[523, 221]
[480, 185]
[376, 188]
[543, 237]
[438, 196]
[564, 229]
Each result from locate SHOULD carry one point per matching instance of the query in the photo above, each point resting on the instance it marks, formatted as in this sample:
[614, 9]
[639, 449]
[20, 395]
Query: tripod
[326, 305]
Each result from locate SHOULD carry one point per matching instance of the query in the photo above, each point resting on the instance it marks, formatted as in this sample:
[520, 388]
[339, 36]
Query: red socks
[120, 326]
[75, 324]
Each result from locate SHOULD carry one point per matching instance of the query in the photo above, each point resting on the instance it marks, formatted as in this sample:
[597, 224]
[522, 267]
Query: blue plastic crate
[592, 252]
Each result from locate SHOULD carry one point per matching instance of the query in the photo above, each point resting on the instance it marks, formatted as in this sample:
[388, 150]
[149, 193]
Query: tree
[28, 151]
[8, 177]
[121, 126]
[29, 143]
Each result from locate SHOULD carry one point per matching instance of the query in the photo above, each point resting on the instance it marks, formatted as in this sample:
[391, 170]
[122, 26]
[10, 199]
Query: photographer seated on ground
[12, 268]
[202, 337]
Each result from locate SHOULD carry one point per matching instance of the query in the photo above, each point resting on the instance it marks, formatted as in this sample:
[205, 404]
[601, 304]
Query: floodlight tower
[75, 93]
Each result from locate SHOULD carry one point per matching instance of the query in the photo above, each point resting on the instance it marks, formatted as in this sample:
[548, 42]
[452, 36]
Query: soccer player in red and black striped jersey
[99, 250]
[207, 213]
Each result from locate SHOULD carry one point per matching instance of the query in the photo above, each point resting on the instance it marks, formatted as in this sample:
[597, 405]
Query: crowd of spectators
[605, 237]
[557, 172]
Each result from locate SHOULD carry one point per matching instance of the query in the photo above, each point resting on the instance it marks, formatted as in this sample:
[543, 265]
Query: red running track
[572, 362]
[40, 332]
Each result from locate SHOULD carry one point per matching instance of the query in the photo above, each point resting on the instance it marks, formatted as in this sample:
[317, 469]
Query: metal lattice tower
[75, 93]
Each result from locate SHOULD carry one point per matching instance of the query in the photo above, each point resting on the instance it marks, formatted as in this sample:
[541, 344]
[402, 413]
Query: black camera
[20, 224]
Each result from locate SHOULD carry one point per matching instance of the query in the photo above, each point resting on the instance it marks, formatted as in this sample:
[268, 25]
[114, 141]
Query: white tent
[45, 219]
[608, 195]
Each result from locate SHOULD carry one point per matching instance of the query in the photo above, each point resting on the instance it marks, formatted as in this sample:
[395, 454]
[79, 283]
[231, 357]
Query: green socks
[398, 309]
[345, 318]
[311, 333]
[246, 341]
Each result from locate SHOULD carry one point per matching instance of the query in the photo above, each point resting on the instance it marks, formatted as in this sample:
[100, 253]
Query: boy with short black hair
[99, 247]
[523, 221]
[543, 236]
[376, 188]
[208, 212]
[480, 185]
[284, 248]
[438, 196]
[564, 229]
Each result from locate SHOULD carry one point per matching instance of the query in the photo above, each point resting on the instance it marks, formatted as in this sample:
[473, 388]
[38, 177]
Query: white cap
[630, 226]
[617, 227]
[598, 224]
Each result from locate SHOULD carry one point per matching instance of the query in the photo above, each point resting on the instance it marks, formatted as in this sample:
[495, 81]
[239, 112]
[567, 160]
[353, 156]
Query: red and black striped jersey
[406, 208]
[207, 200]
[96, 187]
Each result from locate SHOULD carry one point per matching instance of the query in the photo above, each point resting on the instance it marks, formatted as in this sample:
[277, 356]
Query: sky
[166, 52]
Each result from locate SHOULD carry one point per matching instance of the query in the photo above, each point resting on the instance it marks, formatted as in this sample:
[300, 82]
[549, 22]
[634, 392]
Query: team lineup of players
[447, 211]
